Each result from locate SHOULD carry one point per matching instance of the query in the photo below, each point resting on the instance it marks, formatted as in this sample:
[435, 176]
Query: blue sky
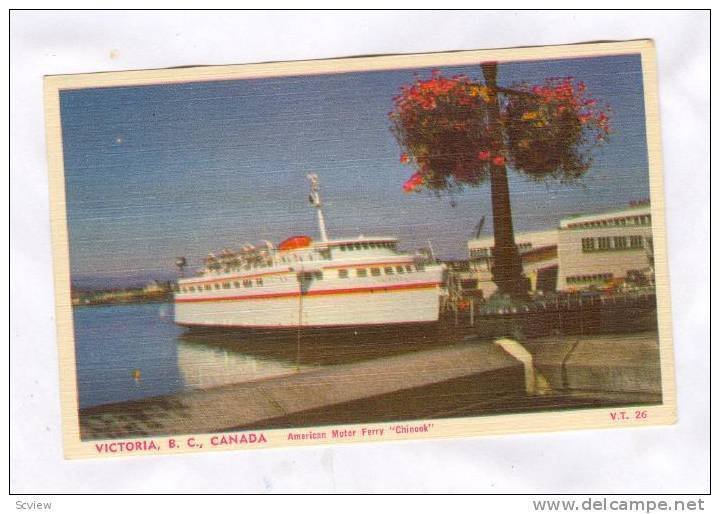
[154, 172]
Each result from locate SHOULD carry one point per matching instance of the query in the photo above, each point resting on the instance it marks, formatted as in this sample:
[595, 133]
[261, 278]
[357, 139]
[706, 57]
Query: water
[113, 341]
[135, 351]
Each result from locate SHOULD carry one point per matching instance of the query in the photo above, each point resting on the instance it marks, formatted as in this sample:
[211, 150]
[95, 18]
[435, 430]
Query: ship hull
[347, 309]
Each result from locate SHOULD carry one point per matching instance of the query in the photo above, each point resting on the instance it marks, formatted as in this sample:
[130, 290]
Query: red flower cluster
[442, 126]
[439, 122]
[550, 128]
[426, 93]
[413, 183]
[568, 96]
[486, 155]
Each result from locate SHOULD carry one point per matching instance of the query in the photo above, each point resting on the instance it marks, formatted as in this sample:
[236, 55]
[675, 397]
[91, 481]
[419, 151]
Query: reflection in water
[283, 351]
[203, 365]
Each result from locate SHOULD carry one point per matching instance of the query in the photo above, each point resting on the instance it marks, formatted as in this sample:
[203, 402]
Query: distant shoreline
[132, 302]
[153, 292]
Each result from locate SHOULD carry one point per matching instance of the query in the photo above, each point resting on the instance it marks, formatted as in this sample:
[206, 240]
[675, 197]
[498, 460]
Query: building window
[361, 272]
[636, 241]
[343, 273]
[588, 244]
[620, 242]
[603, 243]
[375, 272]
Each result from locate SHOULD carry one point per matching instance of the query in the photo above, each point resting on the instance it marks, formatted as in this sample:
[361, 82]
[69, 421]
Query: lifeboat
[295, 242]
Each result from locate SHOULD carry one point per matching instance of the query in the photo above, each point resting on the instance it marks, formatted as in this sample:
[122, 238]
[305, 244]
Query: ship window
[217, 286]
[226, 285]
[375, 272]
[343, 273]
[258, 281]
[362, 272]
[318, 275]
[389, 270]
[420, 267]
[342, 248]
[236, 284]
[192, 288]
[408, 269]
[588, 244]
[207, 287]
[358, 246]
[366, 246]
[399, 269]
[247, 283]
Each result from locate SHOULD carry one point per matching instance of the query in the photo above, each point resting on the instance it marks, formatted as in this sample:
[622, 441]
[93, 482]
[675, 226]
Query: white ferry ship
[340, 283]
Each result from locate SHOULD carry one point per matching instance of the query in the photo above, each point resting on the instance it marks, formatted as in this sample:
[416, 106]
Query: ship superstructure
[353, 282]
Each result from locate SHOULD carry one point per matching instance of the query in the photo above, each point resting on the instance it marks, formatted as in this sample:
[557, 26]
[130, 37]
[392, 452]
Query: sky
[157, 172]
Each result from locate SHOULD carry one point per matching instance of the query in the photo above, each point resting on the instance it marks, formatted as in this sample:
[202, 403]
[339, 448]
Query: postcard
[365, 249]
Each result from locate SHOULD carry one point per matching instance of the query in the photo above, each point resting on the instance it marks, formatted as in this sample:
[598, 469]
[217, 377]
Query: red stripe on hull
[397, 287]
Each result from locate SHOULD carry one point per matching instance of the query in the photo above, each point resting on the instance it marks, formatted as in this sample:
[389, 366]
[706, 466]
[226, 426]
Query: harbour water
[135, 351]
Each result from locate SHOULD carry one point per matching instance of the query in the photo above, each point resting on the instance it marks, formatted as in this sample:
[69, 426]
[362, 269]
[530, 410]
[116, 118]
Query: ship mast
[315, 200]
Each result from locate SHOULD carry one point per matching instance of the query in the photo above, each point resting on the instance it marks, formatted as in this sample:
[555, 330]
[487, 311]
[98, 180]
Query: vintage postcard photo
[361, 249]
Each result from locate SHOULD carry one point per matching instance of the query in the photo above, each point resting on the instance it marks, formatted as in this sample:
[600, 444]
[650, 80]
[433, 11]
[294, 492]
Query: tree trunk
[507, 267]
